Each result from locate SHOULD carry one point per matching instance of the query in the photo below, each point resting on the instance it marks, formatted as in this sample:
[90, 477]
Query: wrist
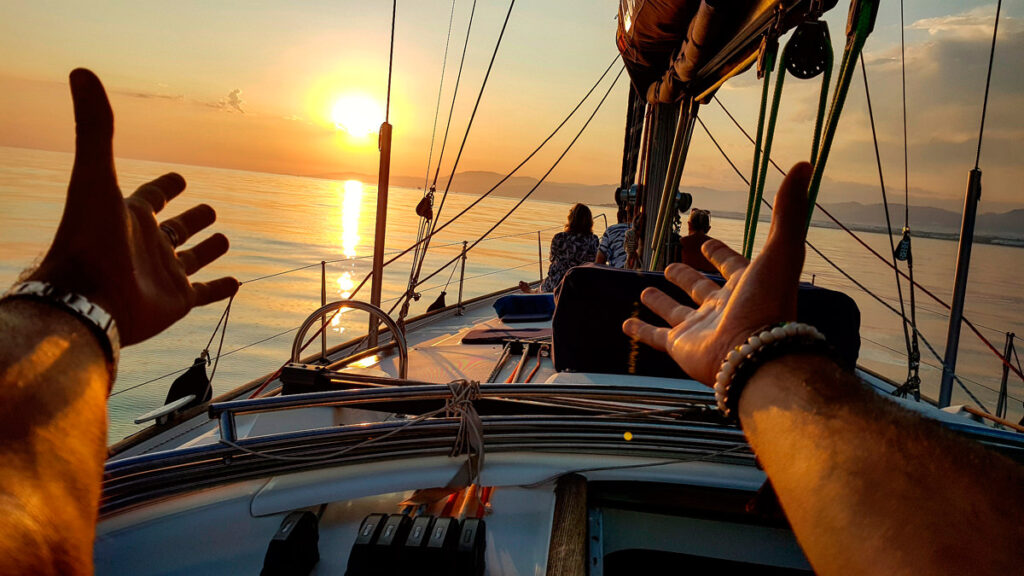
[809, 381]
[76, 308]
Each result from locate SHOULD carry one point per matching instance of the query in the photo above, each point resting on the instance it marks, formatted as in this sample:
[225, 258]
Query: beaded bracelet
[742, 361]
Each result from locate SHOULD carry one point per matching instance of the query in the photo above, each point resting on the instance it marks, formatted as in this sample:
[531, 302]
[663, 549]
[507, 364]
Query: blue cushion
[525, 307]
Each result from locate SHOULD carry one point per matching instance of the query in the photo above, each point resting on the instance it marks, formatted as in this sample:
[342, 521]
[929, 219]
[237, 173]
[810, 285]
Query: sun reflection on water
[351, 204]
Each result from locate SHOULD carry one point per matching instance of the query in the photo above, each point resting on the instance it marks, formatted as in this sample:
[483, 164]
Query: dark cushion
[502, 335]
[595, 301]
[525, 307]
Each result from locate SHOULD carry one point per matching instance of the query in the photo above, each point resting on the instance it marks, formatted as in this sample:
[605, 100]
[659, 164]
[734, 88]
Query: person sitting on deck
[576, 245]
[612, 250]
[698, 225]
[632, 241]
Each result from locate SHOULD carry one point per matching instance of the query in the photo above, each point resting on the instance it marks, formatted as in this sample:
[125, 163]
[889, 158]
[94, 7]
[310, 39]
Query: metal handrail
[396, 333]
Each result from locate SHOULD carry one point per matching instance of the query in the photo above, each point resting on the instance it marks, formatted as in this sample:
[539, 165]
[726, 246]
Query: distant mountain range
[999, 228]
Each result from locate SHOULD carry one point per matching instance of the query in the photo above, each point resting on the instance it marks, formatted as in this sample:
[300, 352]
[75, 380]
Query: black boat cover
[595, 300]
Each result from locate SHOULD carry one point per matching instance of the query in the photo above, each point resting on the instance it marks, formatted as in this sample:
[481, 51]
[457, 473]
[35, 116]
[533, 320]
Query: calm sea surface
[279, 223]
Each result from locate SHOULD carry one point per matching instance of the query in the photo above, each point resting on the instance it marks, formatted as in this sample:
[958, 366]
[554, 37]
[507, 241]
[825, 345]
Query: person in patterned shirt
[576, 245]
[611, 251]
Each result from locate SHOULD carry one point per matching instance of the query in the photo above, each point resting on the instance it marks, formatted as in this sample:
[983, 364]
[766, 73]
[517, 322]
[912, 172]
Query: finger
[94, 136]
[203, 253]
[726, 260]
[219, 289]
[693, 282]
[789, 218]
[665, 306]
[653, 336]
[191, 221]
[157, 193]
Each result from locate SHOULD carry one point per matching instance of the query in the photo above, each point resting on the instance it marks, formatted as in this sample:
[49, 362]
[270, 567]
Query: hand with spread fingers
[755, 294]
[112, 249]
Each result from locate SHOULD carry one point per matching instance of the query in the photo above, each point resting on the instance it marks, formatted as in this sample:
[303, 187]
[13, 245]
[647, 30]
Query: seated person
[612, 250]
[698, 227]
[576, 245]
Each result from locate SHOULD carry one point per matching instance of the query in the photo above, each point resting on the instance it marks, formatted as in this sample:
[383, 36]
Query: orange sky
[171, 69]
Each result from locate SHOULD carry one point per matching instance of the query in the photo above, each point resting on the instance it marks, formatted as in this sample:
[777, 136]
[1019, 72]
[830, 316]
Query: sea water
[279, 223]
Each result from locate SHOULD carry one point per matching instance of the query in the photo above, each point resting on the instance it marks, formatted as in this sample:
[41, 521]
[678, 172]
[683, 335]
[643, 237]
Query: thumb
[789, 217]
[94, 131]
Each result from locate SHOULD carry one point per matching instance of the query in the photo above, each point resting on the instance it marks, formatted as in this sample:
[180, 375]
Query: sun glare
[357, 114]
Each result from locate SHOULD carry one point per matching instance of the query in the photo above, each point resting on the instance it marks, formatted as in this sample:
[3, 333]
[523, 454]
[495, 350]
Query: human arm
[867, 487]
[602, 249]
[54, 374]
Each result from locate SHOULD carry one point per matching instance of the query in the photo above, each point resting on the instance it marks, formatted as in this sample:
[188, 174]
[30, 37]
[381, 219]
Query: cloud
[974, 24]
[155, 95]
[233, 101]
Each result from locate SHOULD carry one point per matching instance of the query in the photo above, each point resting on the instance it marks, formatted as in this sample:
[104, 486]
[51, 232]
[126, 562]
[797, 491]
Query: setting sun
[357, 114]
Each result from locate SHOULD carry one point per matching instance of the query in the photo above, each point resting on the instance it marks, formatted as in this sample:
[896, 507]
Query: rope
[223, 318]
[455, 405]
[988, 82]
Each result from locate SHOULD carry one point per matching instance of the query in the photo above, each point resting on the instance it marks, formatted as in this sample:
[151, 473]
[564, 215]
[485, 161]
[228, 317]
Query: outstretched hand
[111, 249]
[755, 293]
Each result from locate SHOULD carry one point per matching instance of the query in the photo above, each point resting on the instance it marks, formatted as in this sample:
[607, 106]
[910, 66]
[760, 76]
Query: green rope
[755, 212]
[859, 27]
[757, 183]
[771, 49]
[822, 102]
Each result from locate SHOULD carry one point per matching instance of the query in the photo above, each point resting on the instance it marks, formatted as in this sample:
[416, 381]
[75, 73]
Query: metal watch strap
[99, 321]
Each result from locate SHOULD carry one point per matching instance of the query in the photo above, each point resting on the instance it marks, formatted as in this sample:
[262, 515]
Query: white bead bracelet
[740, 363]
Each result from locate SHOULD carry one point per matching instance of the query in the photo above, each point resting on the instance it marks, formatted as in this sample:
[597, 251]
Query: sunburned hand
[755, 294]
[111, 249]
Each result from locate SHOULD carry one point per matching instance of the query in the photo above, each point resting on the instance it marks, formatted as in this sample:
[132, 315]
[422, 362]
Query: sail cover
[668, 45]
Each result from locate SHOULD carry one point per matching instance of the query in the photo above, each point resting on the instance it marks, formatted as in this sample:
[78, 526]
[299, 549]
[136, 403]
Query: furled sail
[674, 46]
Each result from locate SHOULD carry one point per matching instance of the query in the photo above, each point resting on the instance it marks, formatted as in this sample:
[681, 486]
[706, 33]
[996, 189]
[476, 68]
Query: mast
[383, 177]
[963, 256]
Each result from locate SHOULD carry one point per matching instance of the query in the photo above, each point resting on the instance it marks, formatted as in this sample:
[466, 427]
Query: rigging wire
[414, 278]
[988, 82]
[840, 269]
[391, 60]
[913, 381]
[440, 90]
[428, 192]
[885, 203]
[542, 178]
[988, 344]
[503, 180]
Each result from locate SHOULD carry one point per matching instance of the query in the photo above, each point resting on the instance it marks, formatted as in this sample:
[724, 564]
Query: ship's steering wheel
[399, 337]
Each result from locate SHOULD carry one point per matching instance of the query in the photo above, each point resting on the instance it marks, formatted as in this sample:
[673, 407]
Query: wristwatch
[99, 321]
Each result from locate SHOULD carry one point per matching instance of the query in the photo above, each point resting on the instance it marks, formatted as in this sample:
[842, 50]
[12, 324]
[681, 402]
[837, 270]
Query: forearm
[53, 387]
[871, 488]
